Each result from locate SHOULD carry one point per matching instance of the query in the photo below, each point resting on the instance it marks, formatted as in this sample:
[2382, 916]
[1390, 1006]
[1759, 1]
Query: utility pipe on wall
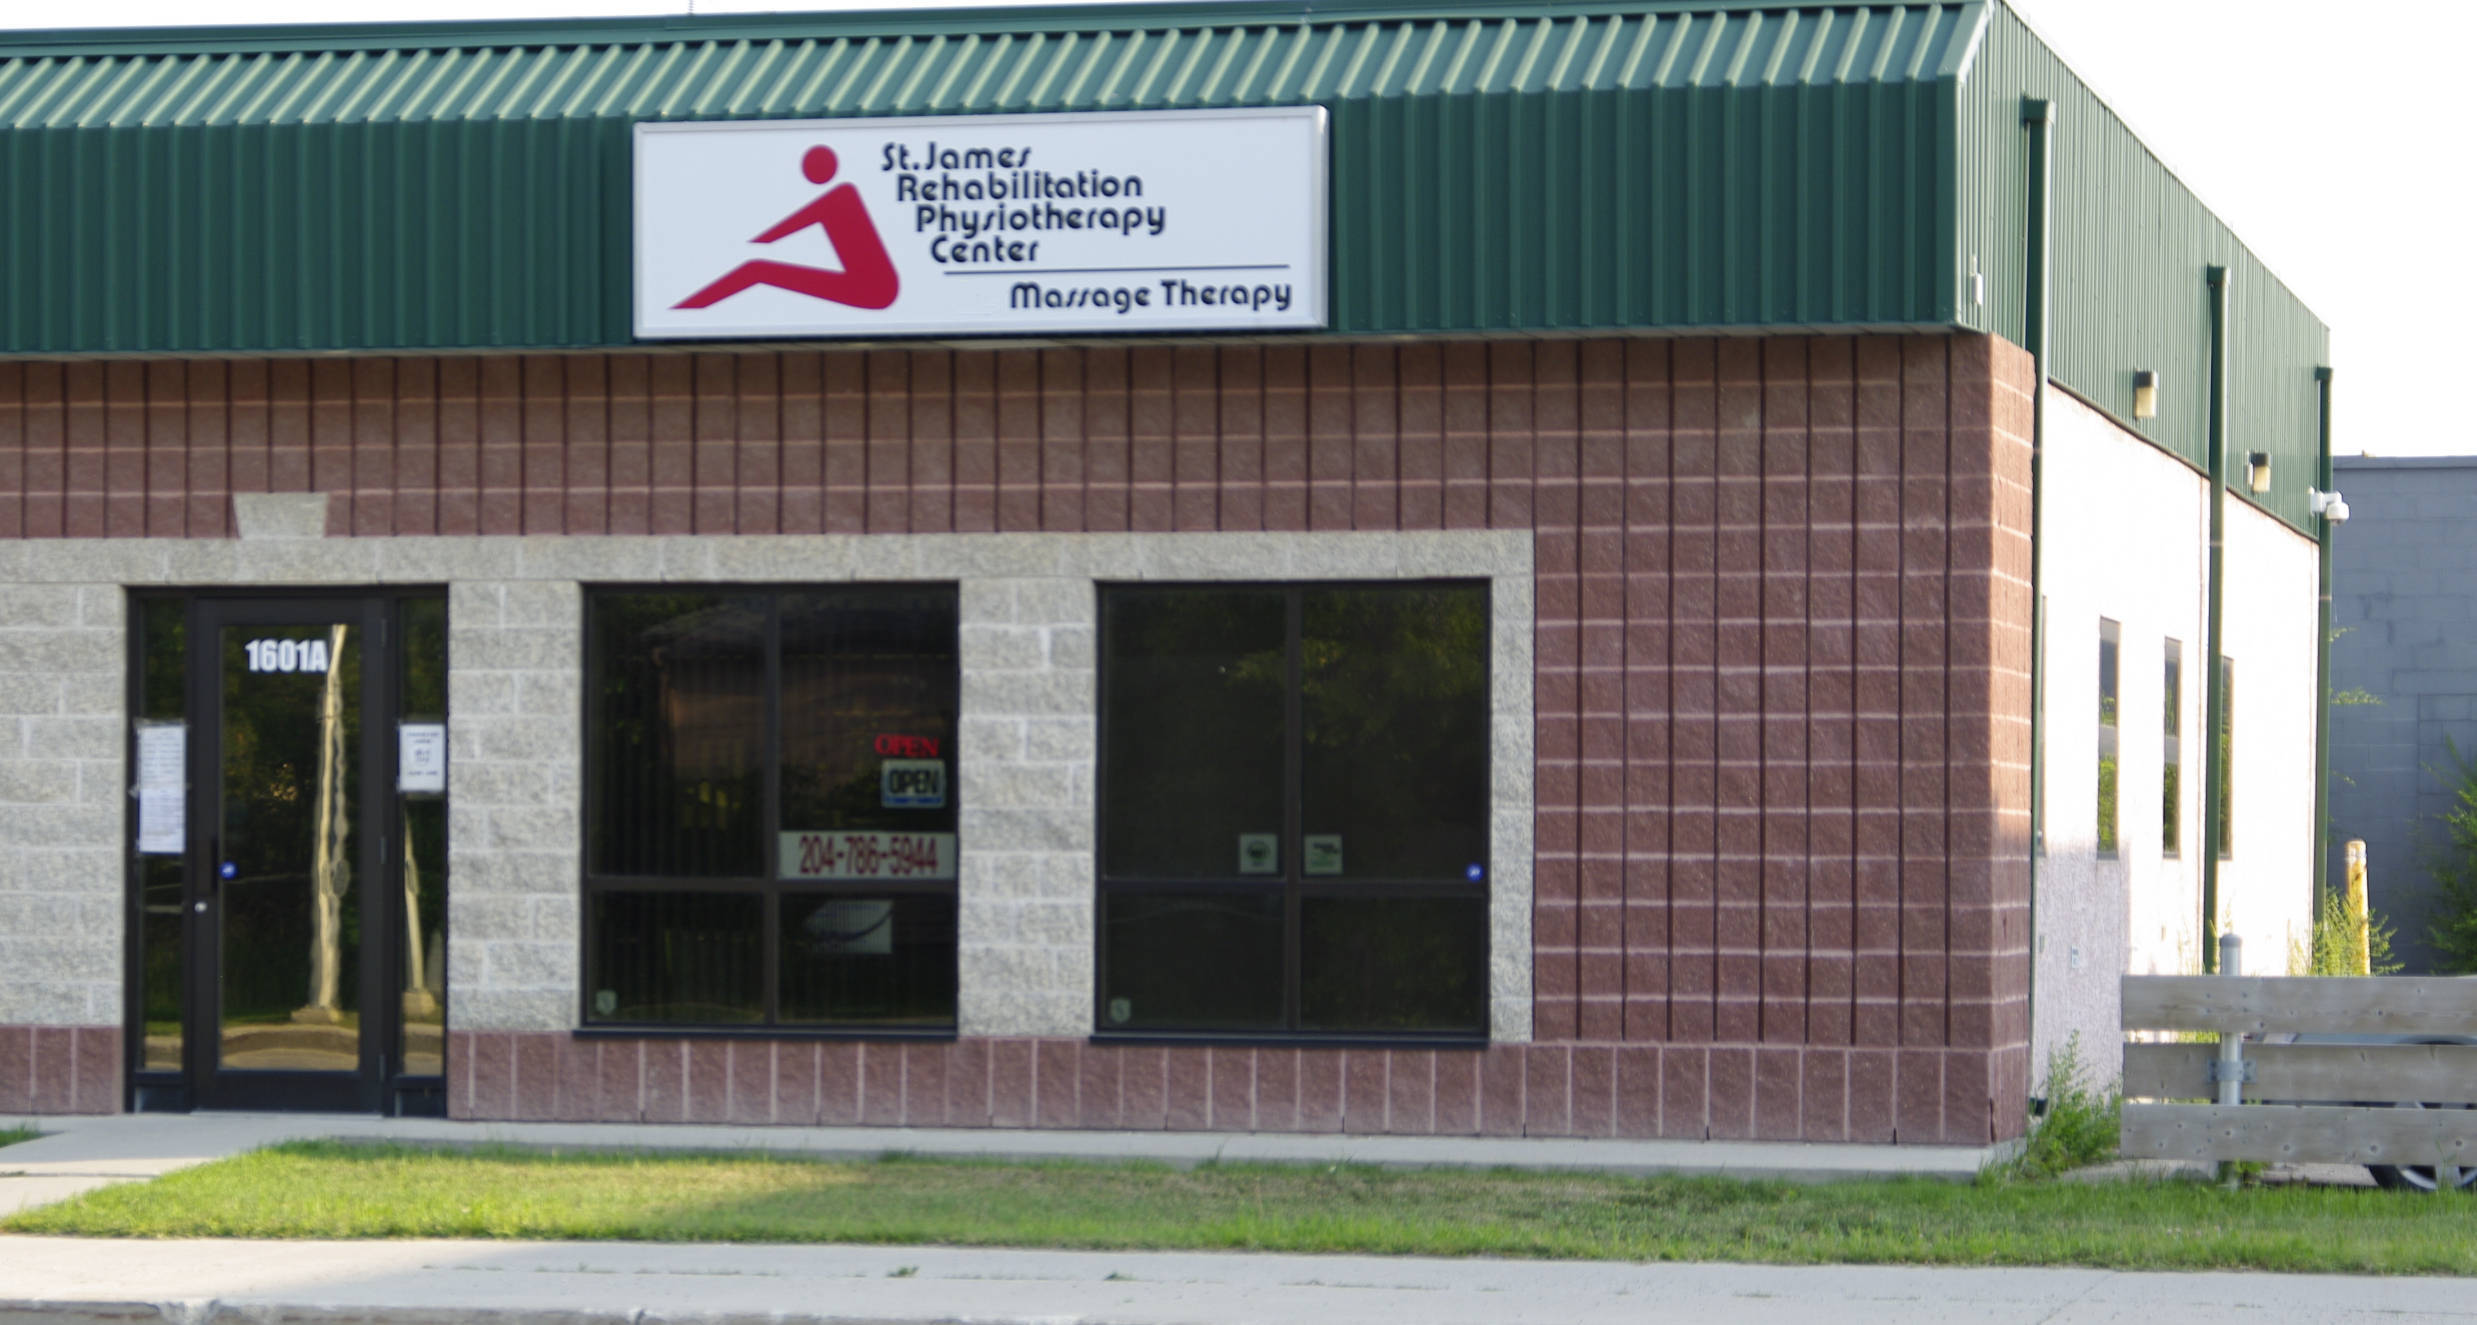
[2214, 710]
[2322, 661]
[2037, 325]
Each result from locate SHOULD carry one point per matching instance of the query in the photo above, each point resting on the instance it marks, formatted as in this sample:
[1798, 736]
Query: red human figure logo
[868, 277]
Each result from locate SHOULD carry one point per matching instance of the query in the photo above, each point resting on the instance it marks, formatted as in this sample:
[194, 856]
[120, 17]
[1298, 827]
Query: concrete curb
[472, 1282]
[213, 1312]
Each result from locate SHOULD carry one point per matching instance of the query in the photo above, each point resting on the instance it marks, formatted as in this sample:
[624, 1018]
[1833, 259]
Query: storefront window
[1294, 788]
[771, 810]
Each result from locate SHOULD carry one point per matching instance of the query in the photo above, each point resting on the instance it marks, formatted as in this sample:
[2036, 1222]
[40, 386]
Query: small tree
[2346, 940]
[2453, 926]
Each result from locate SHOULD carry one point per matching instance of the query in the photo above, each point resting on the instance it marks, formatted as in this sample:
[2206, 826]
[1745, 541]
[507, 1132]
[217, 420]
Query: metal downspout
[2214, 712]
[2322, 660]
[2040, 117]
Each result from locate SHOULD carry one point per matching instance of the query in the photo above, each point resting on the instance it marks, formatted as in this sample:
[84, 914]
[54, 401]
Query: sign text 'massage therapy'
[1194, 220]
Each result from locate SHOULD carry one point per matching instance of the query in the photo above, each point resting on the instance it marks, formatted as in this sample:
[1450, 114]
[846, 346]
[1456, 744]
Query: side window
[770, 832]
[2227, 758]
[1294, 809]
[2171, 752]
[2110, 646]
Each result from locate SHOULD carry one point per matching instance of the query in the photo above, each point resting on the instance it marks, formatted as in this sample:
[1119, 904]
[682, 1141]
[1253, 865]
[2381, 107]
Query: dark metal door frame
[376, 823]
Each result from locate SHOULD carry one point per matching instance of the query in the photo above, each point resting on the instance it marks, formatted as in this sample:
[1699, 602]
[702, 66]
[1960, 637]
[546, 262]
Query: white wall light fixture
[2145, 394]
[2257, 472]
[2329, 505]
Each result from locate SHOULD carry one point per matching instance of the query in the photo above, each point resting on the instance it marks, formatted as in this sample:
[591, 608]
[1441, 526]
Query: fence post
[2231, 1065]
[2358, 911]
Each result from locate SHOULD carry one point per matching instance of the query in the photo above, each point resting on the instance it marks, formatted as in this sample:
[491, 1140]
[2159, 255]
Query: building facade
[2402, 646]
[1572, 664]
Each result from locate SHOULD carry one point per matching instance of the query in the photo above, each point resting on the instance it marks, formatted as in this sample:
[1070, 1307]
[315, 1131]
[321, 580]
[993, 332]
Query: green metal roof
[468, 187]
[1674, 165]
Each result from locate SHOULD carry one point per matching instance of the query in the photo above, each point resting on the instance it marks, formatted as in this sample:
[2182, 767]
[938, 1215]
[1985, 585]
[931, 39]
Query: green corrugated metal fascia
[2131, 247]
[1719, 165]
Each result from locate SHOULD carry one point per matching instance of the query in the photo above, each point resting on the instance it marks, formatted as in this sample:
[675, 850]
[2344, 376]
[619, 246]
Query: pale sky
[2314, 130]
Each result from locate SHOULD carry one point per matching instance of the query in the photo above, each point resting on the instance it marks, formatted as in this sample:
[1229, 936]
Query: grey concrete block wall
[61, 795]
[2404, 618]
[1026, 779]
[515, 747]
[1024, 788]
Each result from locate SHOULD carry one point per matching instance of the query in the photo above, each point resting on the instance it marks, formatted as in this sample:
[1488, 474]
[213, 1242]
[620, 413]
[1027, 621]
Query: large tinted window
[1294, 809]
[771, 835]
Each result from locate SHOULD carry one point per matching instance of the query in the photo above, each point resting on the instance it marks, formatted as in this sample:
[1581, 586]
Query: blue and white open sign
[912, 784]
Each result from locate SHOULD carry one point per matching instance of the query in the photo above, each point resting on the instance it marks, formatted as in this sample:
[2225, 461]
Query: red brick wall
[1782, 664]
[59, 1069]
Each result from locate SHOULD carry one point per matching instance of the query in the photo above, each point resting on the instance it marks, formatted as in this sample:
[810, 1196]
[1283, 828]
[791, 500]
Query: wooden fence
[2327, 1103]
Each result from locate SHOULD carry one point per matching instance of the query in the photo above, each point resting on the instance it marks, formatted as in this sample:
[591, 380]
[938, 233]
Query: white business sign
[982, 224]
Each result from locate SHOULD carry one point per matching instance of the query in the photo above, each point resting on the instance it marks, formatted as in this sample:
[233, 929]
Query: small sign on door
[162, 788]
[421, 757]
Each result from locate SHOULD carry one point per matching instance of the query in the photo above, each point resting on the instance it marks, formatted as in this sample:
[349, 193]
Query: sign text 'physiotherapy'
[982, 225]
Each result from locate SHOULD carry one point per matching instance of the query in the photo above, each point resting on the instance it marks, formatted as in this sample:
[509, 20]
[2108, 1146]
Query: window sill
[692, 1032]
[1287, 1040]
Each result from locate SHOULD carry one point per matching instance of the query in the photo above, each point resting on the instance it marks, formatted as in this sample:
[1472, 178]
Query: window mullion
[771, 818]
[1294, 809]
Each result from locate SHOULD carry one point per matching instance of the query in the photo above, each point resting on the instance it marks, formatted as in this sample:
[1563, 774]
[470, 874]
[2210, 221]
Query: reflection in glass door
[419, 887]
[289, 920]
[289, 908]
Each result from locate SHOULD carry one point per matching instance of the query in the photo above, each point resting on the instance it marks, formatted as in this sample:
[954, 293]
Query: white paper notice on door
[163, 787]
[421, 757]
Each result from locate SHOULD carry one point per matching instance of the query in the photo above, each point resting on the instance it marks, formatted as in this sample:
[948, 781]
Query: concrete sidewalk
[497, 1283]
[80, 1153]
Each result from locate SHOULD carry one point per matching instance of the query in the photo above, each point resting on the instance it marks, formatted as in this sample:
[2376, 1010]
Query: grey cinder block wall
[2404, 623]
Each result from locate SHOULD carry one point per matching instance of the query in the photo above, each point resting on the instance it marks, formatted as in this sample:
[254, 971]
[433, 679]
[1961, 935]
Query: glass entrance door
[313, 865]
[285, 839]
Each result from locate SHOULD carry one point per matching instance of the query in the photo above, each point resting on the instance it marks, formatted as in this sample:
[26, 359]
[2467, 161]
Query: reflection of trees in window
[720, 721]
[681, 718]
[1393, 690]
[163, 671]
[1193, 728]
[851, 672]
[290, 779]
[2171, 758]
[2108, 646]
[1240, 723]
[423, 880]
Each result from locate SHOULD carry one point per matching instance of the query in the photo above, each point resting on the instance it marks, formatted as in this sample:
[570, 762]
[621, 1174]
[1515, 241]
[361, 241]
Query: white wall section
[2126, 537]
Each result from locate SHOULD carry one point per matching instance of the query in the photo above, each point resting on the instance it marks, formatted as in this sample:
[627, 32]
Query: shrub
[2453, 924]
[2335, 947]
[2079, 1125]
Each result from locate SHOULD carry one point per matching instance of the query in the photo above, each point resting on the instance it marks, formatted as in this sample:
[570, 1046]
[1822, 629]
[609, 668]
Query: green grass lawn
[333, 1190]
[10, 1136]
